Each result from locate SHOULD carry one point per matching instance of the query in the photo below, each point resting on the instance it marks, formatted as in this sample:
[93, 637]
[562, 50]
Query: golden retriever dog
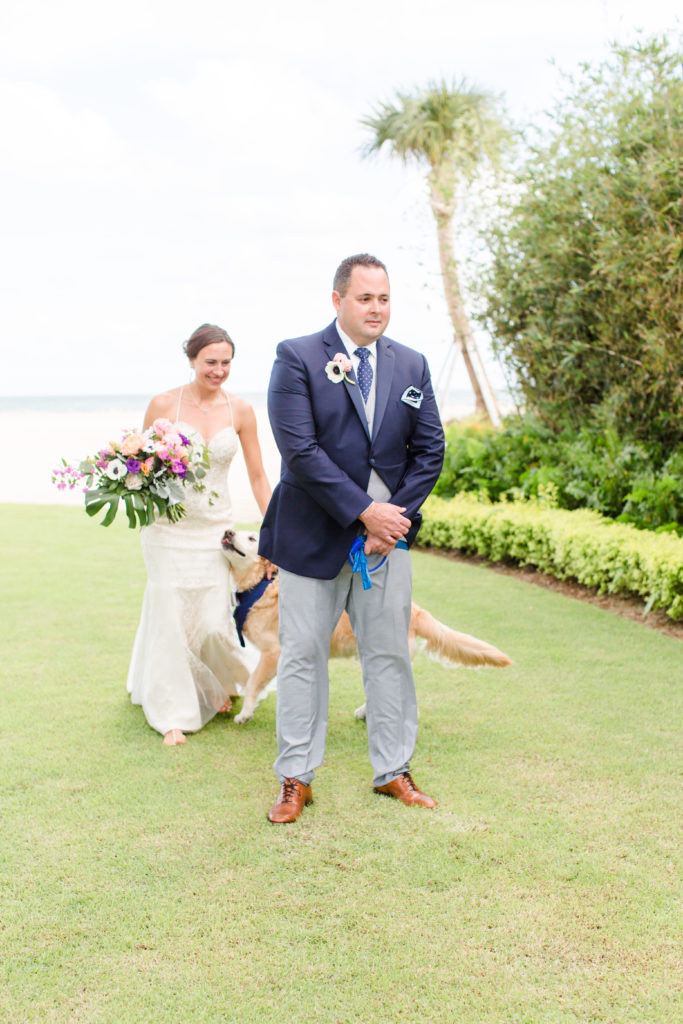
[261, 626]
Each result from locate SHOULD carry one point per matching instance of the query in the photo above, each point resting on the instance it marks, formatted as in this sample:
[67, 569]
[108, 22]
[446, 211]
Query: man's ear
[336, 300]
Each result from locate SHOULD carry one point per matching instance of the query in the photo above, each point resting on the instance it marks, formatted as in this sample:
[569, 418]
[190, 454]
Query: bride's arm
[246, 427]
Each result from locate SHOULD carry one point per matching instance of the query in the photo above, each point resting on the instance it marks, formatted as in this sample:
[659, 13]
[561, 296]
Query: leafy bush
[583, 296]
[579, 545]
[655, 500]
[584, 469]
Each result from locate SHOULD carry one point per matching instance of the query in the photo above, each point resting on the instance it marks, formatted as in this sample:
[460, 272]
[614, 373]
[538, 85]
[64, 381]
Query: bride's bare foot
[173, 737]
[226, 707]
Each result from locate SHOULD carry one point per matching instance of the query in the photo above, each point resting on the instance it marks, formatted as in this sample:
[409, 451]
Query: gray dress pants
[380, 617]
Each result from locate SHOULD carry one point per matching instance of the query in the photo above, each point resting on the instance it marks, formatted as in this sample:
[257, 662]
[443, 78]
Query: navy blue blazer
[327, 454]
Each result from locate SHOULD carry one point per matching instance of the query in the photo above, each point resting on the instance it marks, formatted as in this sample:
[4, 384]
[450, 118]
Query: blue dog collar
[246, 599]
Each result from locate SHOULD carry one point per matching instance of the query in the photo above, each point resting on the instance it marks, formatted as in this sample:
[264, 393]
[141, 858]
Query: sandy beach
[43, 438]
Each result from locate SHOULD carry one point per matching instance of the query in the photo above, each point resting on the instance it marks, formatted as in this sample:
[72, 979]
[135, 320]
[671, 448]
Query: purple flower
[179, 468]
[132, 465]
[184, 440]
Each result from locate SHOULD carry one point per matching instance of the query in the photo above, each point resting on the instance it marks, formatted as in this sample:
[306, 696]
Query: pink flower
[343, 361]
[162, 426]
[338, 368]
[132, 443]
[178, 452]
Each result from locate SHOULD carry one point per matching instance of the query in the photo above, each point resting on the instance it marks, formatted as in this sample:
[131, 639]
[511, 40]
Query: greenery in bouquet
[146, 472]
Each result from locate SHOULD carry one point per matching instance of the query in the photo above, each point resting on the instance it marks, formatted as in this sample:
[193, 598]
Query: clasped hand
[385, 524]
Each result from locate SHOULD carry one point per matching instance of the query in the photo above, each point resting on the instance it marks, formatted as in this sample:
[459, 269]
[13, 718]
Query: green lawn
[141, 883]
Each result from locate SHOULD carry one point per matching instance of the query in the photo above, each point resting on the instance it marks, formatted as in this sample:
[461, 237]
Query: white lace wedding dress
[187, 658]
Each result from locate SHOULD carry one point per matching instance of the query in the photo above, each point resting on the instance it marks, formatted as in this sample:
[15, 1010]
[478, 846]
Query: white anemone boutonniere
[338, 369]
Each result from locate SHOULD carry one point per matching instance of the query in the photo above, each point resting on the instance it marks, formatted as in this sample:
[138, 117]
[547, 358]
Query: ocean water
[49, 428]
[460, 402]
[90, 403]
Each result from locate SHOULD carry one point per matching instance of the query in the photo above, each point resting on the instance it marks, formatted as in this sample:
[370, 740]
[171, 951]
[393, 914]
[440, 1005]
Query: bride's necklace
[204, 411]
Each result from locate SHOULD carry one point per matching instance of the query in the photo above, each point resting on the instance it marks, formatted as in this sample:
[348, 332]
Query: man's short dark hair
[343, 272]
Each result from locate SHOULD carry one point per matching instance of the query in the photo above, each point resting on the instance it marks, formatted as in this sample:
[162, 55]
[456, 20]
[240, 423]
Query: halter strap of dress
[227, 398]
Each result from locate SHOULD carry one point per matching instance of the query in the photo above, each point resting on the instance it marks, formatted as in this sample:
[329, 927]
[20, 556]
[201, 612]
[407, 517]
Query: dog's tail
[454, 648]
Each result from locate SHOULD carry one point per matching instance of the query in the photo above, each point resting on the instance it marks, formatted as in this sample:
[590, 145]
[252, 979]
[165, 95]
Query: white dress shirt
[376, 488]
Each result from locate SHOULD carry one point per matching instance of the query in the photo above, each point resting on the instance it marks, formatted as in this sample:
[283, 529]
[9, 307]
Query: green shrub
[655, 501]
[582, 296]
[580, 545]
[591, 469]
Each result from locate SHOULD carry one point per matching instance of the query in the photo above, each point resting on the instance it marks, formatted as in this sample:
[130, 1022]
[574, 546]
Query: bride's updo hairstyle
[207, 334]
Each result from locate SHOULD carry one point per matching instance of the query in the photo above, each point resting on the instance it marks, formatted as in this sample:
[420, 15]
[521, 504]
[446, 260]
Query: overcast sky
[166, 164]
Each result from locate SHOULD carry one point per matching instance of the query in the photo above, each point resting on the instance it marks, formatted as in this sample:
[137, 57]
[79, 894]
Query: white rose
[133, 481]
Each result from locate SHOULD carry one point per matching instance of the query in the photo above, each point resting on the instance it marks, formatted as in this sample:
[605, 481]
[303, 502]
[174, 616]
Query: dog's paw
[244, 716]
[360, 713]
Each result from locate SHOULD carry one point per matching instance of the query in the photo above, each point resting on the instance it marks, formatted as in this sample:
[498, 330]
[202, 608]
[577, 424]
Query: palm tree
[455, 129]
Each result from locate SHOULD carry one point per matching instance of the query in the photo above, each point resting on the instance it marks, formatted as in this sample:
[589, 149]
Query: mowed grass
[142, 883]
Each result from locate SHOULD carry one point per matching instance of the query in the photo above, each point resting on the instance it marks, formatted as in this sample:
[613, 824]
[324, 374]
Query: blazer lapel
[385, 372]
[334, 344]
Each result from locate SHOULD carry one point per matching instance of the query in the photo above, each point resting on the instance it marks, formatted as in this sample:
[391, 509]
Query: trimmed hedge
[580, 545]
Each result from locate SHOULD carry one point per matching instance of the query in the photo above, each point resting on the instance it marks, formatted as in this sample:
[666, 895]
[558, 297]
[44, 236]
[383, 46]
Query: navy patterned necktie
[364, 373]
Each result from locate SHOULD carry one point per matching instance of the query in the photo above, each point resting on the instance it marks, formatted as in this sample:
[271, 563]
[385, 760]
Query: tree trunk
[485, 403]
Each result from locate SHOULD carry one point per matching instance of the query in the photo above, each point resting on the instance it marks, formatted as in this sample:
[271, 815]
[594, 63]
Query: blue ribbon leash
[358, 560]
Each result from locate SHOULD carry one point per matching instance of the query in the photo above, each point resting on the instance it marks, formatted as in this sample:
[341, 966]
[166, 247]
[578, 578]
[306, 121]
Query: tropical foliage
[584, 297]
[583, 469]
[456, 130]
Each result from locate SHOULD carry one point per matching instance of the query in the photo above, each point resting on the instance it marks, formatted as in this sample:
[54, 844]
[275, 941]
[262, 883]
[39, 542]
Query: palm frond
[443, 122]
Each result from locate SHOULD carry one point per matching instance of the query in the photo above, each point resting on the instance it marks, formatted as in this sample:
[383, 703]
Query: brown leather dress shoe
[294, 796]
[404, 789]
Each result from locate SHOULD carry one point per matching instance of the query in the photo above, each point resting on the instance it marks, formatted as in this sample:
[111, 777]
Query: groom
[356, 423]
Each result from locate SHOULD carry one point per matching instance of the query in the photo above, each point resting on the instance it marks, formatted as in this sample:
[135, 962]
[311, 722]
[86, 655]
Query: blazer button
[372, 462]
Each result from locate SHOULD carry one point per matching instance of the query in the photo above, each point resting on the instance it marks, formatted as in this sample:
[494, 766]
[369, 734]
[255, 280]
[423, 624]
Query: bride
[186, 661]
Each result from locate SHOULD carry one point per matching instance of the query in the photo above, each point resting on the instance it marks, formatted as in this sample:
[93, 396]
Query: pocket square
[412, 396]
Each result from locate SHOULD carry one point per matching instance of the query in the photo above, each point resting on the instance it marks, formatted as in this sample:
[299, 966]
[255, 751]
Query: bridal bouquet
[146, 471]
